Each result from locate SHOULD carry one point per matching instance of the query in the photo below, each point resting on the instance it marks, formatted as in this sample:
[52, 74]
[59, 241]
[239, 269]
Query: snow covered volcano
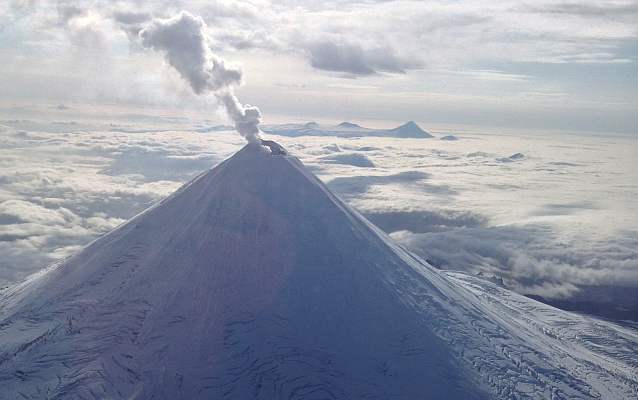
[254, 281]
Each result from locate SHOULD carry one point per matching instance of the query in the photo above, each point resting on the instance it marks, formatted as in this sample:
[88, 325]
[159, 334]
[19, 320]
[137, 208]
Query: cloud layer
[555, 222]
[63, 183]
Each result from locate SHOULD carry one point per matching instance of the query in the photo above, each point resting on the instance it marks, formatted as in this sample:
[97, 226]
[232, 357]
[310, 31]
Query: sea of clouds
[551, 221]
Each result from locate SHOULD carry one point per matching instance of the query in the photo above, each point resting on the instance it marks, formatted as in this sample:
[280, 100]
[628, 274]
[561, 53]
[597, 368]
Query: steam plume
[187, 48]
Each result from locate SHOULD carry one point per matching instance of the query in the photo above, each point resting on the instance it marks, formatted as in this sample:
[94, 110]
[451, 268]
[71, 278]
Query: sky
[534, 65]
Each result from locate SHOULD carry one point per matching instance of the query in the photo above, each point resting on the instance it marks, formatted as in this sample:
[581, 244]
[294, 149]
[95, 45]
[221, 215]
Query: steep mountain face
[255, 282]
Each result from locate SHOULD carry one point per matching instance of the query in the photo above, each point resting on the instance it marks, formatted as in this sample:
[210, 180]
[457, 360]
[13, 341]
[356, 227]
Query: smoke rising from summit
[186, 47]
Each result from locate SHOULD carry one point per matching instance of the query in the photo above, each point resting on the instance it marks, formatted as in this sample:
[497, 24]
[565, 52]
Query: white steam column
[186, 46]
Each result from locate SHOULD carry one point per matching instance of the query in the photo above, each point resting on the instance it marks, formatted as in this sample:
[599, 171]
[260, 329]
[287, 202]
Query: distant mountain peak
[311, 125]
[346, 124]
[410, 129]
[346, 129]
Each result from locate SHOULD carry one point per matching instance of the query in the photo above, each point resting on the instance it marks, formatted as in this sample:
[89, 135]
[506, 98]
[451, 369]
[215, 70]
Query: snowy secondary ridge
[254, 281]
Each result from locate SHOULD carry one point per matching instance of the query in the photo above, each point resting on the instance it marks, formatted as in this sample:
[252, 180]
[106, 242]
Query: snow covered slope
[255, 282]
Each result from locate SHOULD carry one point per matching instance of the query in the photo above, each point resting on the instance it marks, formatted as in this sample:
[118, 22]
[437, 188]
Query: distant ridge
[348, 125]
[347, 129]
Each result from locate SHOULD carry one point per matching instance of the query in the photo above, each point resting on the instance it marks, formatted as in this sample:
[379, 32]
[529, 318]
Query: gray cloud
[354, 59]
[22, 6]
[424, 221]
[353, 159]
[241, 40]
[131, 17]
[67, 11]
[82, 25]
[353, 187]
[627, 9]
[131, 22]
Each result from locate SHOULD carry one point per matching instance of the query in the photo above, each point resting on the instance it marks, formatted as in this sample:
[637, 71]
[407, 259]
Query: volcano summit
[254, 281]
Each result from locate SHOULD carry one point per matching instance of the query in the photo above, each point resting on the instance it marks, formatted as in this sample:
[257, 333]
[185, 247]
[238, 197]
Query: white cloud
[60, 189]
[546, 224]
[531, 259]
[356, 60]
[26, 212]
[447, 48]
